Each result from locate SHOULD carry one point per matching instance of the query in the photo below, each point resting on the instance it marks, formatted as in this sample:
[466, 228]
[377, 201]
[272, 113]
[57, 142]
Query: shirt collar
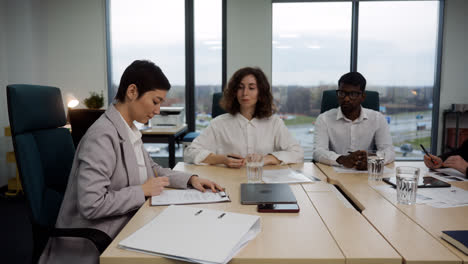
[133, 133]
[363, 115]
[243, 122]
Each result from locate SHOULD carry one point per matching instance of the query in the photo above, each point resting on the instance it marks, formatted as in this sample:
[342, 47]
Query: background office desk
[413, 241]
[285, 238]
[165, 135]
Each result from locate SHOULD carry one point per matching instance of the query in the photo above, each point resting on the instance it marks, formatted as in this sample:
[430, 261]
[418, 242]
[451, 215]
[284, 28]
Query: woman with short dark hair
[248, 127]
[112, 174]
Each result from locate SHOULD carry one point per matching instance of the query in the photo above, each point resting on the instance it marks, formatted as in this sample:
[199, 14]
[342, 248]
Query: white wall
[454, 77]
[248, 35]
[51, 42]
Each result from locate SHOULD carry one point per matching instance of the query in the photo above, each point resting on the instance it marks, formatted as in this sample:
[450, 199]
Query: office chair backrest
[81, 120]
[216, 110]
[330, 100]
[44, 150]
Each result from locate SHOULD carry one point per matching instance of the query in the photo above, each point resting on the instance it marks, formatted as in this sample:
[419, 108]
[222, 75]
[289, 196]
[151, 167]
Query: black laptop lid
[266, 193]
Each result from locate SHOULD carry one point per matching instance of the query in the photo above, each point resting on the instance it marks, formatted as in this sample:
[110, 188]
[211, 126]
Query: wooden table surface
[413, 230]
[285, 237]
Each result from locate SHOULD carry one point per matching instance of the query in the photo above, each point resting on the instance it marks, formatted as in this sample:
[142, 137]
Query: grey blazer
[104, 189]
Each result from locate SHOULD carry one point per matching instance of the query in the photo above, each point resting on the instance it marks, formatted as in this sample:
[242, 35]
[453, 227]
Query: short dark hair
[353, 78]
[145, 75]
[263, 108]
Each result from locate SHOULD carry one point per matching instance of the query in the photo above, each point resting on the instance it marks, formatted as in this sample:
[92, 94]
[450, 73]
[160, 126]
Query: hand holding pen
[431, 161]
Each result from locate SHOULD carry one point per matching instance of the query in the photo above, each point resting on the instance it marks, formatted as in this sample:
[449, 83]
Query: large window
[397, 54]
[153, 30]
[311, 47]
[157, 30]
[208, 48]
[397, 47]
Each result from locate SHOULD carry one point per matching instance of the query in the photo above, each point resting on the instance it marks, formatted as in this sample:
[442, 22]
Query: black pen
[229, 156]
[427, 153]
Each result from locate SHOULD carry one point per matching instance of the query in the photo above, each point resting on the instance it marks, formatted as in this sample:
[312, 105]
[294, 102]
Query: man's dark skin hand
[356, 159]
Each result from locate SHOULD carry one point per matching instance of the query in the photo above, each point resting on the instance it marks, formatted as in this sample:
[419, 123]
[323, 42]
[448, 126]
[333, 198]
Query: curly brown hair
[264, 106]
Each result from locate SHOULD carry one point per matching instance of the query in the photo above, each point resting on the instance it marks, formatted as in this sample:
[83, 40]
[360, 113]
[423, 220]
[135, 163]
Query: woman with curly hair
[249, 126]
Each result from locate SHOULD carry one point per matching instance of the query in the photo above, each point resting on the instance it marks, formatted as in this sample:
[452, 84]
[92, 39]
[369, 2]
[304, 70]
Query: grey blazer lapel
[128, 154]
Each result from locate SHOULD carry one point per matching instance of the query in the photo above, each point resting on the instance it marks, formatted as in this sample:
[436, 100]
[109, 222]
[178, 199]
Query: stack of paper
[188, 196]
[194, 234]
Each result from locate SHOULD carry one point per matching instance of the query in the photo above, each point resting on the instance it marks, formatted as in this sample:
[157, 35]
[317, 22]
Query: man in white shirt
[343, 135]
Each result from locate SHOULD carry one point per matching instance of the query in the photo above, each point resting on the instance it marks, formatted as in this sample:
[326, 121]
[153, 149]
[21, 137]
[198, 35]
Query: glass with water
[254, 164]
[407, 184]
[375, 165]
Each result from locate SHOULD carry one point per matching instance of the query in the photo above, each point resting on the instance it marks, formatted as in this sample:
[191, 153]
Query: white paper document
[196, 235]
[435, 197]
[450, 172]
[188, 196]
[285, 176]
[351, 170]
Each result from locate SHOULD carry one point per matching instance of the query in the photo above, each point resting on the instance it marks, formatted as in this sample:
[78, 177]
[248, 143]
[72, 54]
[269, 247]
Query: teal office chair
[44, 154]
[330, 100]
[216, 110]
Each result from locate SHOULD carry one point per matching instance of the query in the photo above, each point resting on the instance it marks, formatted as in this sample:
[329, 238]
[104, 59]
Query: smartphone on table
[278, 208]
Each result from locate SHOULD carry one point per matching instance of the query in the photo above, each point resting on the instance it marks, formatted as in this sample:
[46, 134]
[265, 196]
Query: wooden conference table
[325, 230]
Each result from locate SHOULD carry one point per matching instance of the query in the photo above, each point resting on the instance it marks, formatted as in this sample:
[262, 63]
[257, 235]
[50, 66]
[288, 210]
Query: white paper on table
[181, 232]
[188, 196]
[451, 172]
[351, 170]
[285, 176]
[435, 197]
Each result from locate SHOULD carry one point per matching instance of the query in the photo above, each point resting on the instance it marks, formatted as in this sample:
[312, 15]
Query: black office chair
[330, 100]
[216, 110]
[81, 120]
[44, 154]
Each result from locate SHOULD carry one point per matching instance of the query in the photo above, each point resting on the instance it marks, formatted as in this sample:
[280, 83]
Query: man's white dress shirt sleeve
[322, 152]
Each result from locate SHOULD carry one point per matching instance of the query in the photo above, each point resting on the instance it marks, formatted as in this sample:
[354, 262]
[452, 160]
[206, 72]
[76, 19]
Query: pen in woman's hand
[233, 157]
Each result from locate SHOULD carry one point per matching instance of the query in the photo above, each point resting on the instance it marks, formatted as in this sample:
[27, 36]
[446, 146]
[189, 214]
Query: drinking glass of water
[254, 168]
[375, 165]
[407, 184]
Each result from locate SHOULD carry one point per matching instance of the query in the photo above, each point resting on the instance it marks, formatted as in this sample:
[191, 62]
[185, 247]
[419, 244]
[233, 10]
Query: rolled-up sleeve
[322, 151]
[201, 147]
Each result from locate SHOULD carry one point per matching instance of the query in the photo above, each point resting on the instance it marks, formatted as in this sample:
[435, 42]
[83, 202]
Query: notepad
[188, 196]
[192, 234]
[458, 238]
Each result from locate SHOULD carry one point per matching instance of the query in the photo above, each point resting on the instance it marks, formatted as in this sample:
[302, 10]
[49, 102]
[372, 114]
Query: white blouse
[135, 138]
[235, 134]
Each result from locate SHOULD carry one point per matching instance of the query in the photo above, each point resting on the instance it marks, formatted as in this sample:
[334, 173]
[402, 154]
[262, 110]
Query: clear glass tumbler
[407, 184]
[254, 164]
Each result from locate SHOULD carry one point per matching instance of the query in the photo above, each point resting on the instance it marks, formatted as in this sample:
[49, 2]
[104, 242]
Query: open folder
[193, 234]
